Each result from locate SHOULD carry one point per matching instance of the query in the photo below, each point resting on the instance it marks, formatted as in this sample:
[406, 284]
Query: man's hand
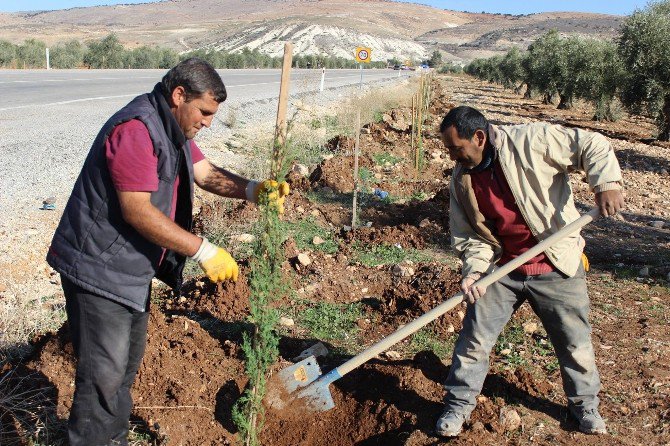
[217, 264]
[277, 192]
[609, 202]
[472, 293]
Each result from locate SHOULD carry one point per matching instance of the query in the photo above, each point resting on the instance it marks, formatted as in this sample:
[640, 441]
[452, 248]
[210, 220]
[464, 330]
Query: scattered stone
[478, 427]
[318, 240]
[300, 169]
[460, 315]
[304, 259]
[510, 419]
[644, 272]
[365, 131]
[300, 210]
[658, 224]
[346, 228]
[505, 351]
[199, 283]
[392, 354]
[364, 290]
[315, 212]
[3, 287]
[181, 299]
[450, 328]
[402, 271]
[245, 238]
[529, 327]
[316, 350]
[423, 223]
[286, 322]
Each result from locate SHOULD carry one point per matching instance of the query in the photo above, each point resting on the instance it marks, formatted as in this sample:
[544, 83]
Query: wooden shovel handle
[447, 305]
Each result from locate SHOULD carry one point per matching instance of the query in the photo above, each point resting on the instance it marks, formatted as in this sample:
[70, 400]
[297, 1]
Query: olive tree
[68, 55]
[105, 53]
[644, 47]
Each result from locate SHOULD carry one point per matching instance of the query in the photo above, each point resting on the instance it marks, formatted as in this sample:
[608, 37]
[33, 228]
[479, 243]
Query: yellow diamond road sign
[363, 54]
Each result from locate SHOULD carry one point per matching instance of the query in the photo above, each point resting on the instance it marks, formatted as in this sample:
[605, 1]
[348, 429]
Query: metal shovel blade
[283, 386]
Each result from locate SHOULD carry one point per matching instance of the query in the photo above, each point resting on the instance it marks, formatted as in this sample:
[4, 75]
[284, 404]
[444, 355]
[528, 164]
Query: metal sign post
[363, 55]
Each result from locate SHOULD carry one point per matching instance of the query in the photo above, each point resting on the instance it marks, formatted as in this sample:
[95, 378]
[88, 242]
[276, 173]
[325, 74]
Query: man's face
[194, 114]
[468, 152]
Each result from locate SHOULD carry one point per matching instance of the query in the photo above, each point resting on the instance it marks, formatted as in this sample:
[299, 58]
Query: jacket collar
[168, 120]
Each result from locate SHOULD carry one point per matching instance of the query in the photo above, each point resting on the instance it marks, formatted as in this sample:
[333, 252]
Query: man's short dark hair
[466, 120]
[197, 77]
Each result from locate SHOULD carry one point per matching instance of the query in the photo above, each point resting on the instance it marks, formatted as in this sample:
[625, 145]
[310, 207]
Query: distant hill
[391, 29]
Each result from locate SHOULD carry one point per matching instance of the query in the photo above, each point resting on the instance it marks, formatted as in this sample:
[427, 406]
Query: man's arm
[219, 181]
[592, 153]
[155, 226]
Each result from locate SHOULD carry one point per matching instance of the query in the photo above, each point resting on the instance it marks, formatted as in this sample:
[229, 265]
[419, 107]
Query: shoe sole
[593, 431]
[449, 434]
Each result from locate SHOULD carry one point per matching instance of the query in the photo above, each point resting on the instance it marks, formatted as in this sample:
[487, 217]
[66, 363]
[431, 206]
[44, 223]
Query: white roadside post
[48, 65]
[323, 78]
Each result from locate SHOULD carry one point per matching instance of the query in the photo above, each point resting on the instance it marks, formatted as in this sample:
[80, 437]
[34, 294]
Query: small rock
[3, 287]
[658, 224]
[510, 419]
[315, 212]
[450, 328]
[346, 228]
[328, 156]
[478, 427]
[461, 315]
[245, 238]
[644, 272]
[304, 259]
[392, 354]
[423, 223]
[300, 210]
[402, 271]
[365, 131]
[530, 327]
[327, 190]
[505, 351]
[318, 240]
[364, 290]
[286, 322]
[181, 299]
[300, 169]
[200, 284]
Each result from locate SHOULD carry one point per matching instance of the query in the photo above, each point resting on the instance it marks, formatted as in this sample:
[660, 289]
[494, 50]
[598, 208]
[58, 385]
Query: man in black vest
[127, 221]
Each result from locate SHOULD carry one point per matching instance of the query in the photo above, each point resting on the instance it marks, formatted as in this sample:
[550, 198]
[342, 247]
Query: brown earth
[193, 369]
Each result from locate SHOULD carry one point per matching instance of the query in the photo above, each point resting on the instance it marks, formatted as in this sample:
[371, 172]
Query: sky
[620, 7]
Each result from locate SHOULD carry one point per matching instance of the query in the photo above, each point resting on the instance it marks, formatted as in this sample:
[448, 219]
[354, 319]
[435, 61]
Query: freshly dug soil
[193, 371]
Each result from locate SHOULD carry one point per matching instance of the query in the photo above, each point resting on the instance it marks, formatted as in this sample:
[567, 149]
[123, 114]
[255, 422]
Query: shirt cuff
[614, 185]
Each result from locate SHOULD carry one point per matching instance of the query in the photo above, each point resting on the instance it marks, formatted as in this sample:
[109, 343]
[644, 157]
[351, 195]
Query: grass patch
[304, 231]
[509, 343]
[376, 255]
[331, 321]
[382, 158]
[427, 340]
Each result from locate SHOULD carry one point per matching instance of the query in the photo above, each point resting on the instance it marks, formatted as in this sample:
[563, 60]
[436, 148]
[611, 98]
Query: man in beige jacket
[510, 189]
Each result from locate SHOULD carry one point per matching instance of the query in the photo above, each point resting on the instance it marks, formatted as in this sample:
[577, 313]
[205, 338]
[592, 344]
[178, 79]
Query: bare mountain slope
[392, 29]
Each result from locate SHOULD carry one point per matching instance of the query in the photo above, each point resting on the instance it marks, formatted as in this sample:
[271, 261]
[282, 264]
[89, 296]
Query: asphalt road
[42, 88]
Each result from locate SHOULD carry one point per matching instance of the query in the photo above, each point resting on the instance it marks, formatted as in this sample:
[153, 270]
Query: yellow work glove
[277, 192]
[217, 264]
[585, 262]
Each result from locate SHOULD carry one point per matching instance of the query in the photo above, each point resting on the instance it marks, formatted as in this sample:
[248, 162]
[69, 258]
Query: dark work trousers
[561, 303]
[109, 340]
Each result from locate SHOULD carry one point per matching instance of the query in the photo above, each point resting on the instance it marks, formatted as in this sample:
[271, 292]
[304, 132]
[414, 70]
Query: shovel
[303, 383]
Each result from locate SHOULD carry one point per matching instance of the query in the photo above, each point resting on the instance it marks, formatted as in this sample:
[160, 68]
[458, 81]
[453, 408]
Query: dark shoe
[450, 423]
[590, 421]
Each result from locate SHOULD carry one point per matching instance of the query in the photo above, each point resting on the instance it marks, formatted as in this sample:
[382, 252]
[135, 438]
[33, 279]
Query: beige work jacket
[536, 159]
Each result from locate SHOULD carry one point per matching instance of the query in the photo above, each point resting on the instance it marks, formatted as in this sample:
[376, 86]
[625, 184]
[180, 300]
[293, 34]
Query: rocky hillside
[392, 29]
